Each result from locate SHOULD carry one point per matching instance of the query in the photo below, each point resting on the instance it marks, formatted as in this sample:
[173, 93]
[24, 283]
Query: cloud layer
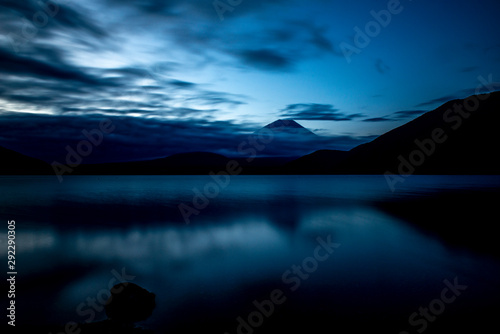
[174, 69]
[316, 112]
[137, 138]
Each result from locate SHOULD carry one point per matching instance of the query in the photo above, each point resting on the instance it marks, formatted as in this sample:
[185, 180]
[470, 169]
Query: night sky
[201, 75]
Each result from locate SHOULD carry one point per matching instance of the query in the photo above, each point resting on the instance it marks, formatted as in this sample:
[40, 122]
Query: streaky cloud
[316, 111]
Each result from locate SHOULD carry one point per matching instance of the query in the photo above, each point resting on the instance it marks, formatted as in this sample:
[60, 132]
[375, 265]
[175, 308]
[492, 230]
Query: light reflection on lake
[71, 236]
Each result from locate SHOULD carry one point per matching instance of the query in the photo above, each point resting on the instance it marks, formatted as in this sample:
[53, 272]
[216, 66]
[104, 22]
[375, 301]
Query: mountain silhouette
[14, 163]
[284, 126]
[191, 163]
[285, 138]
[447, 140]
[319, 162]
[459, 137]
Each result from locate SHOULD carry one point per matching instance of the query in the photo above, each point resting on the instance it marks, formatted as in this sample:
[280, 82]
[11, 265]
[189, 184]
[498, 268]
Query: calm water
[243, 243]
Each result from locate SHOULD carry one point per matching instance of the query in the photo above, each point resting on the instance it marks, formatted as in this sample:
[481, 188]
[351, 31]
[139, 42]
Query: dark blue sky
[187, 75]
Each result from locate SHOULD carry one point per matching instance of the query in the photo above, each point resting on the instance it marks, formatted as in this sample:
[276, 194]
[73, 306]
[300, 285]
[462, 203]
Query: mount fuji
[286, 138]
[284, 126]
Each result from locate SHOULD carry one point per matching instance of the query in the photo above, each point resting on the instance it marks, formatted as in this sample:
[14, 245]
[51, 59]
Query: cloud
[28, 24]
[137, 138]
[281, 45]
[397, 116]
[491, 87]
[439, 100]
[315, 111]
[182, 84]
[210, 98]
[319, 40]
[378, 119]
[407, 113]
[265, 59]
[464, 93]
[11, 63]
[98, 59]
[43, 79]
[313, 37]
[176, 8]
[381, 67]
[134, 138]
[249, 41]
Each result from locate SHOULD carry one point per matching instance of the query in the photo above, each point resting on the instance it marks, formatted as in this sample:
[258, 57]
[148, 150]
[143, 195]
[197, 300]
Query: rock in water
[129, 303]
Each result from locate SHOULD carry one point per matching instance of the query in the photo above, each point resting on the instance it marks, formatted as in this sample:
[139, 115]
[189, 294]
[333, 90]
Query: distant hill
[14, 163]
[192, 163]
[319, 162]
[182, 163]
[447, 140]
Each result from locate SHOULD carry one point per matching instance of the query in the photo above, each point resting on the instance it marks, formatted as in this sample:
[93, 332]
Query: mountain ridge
[454, 138]
[15, 163]
[446, 140]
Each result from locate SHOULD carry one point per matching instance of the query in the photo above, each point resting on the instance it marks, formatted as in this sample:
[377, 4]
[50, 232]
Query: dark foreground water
[264, 254]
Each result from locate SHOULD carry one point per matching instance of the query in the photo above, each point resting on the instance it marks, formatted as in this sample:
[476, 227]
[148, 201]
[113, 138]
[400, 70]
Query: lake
[261, 254]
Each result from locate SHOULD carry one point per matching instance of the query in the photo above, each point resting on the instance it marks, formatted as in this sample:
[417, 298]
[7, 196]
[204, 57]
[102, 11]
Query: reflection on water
[72, 238]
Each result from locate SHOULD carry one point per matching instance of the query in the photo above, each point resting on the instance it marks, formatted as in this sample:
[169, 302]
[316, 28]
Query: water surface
[73, 238]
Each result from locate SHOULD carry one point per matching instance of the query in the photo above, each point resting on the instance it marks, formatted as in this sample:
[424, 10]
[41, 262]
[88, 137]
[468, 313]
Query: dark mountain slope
[319, 162]
[447, 140]
[14, 163]
[182, 163]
